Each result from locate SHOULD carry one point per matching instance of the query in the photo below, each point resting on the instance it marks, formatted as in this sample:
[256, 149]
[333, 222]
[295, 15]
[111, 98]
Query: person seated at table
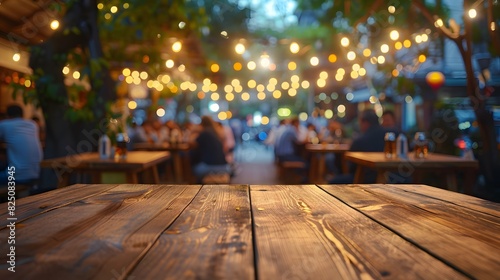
[288, 144]
[371, 139]
[207, 155]
[389, 122]
[24, 150]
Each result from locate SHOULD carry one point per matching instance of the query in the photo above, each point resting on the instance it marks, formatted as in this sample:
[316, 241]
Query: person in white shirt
[24, 150]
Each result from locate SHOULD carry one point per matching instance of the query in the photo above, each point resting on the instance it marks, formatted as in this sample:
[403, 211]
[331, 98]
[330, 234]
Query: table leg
[132, 177]
[345, 165]
[177, 167]
[451, 181]
[359, 175]
[156, 176]
[469, 180]
[381, 176]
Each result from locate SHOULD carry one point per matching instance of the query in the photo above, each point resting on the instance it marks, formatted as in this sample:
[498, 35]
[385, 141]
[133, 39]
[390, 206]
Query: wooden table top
[134, 160]
[252, 232]
[327, 147]
[377, 159]
[162, 147]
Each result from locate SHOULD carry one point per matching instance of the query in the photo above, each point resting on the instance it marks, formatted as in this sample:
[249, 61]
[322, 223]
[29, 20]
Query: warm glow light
[381, 59]
[292, 65]
[100, 6]
[314, 61]
[160, 112]
[394, 35]
[239, 48]
[294, 47]
[351, 55]
[215, 96]
[321, 83]
[165, 79]
[229, 97]
[65, 70]
[132, 105]
[285, 85]
[395, 73]
[407, 43]
[398, 45]
[391, 9]
[323, 75]
[264, 120]
[228, 88]
[354, 75]
[422, 58]
[169, 63]
[16, 57]
[76, 75]
[182, 24]
[332, 58]
[276, 94]
[245, 96]
[292, 92]
[362, 72]
[201, 95]
[341, 108]
[367, 52]
[237, 66]
[177, 46]
[265, 61]
[384, 48]
[472, 13]
[418, 39]
[425, 37]
[126, 5]
[260, 87]
[344, 41]
[222, 116]
[125, 72]
[305, 84]
[493, 26]
[54, 24]
[251, 65]
[261, 95]
[252, 83]
[213, 87]
[113, 9]
[214, 68]
[438, 23]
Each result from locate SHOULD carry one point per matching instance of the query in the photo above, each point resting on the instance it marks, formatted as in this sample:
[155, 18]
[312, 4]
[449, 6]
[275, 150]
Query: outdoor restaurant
[237, 139]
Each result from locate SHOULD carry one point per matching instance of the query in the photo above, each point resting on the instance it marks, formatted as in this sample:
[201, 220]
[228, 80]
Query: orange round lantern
[435, 79]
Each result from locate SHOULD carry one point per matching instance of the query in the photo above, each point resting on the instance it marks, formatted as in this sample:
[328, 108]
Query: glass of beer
[121, 145]
[390, 145]
[421, 145]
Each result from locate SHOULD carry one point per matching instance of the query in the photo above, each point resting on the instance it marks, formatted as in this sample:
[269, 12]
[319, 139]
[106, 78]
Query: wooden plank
[48, 201]
[101, 237]
[303, 233]
[465, 201]
[423, 221]
[212, 239]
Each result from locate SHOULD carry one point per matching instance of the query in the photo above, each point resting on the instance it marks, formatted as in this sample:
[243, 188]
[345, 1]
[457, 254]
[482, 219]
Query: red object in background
[435, 79]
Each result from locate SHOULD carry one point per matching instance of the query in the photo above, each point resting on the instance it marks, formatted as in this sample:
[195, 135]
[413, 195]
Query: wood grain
[303, 233]
[45, 202]
[212, 239]
[100, 237]
[464, 238]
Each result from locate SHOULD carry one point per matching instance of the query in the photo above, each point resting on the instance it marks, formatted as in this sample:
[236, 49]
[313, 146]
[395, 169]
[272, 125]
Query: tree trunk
[66, 138]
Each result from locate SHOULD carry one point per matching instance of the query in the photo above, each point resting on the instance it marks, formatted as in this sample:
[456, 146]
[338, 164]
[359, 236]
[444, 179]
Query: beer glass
[390, 145]
[421, 145]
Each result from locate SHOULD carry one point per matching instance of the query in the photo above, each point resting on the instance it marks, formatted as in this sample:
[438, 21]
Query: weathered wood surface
[466, 239]
[302, 233]
[212, 239]
[131, 231]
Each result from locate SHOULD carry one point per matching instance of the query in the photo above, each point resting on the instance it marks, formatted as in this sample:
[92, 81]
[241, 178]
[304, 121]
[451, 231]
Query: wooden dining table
[180, 163]
[318, 153]
[130, 167]
[398, 169]
[143, 231]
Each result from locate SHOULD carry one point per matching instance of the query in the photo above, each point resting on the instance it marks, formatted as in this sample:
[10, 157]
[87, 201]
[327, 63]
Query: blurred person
[208, 154]
[288, 141]
[24, 150]
[228, 141]
[371, 139]
[160, 132]
[389, 121]
[312, 135]
[41, 129]
[332, 132]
